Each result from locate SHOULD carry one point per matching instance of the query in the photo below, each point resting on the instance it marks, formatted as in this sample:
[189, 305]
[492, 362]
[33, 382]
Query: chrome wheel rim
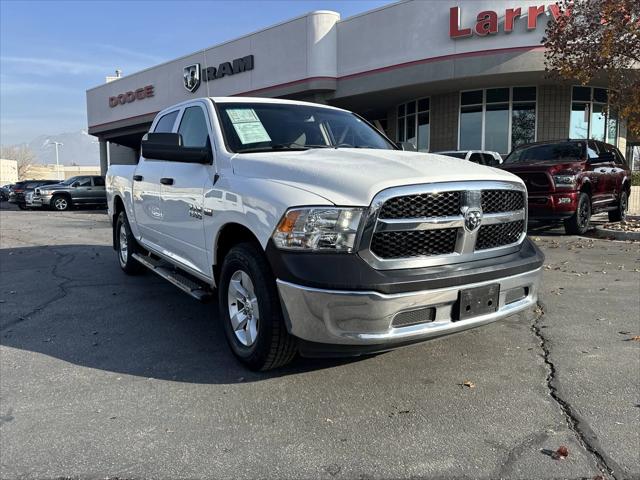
[243, 308]
[60, 204]
[123, 246]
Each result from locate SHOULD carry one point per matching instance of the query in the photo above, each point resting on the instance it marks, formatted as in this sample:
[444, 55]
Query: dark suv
[18, 192]
[569, 180]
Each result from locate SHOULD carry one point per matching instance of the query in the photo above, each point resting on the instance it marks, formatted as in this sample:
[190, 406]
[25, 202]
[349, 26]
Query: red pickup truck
[569, 180]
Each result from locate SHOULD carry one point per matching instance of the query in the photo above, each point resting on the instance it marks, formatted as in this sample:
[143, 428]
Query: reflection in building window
[413, 123]
[591, 116]
[497, 119]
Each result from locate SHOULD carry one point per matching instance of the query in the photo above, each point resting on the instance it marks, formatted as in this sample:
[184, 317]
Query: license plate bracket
[473, 302]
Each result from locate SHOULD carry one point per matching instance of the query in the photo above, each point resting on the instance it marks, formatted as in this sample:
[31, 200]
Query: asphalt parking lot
[104, 375]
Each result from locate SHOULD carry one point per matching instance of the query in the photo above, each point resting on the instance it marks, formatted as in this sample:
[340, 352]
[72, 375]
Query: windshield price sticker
[248, 126]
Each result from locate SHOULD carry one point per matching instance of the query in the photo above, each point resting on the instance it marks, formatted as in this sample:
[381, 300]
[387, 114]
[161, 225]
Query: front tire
[579, 223]
[22, 206]
[126, 246]
[61, 203]
[250, 310]
[620, 213]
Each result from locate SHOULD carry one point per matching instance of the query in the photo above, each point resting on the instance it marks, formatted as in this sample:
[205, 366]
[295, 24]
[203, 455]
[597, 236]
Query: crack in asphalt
[61, 286]
[581, 430]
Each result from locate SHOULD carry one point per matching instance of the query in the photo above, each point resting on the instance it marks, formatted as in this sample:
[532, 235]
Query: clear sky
[52, 51]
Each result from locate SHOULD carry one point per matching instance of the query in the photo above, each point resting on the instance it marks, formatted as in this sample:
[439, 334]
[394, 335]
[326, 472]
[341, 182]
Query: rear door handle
[137, 178]
[166, 181]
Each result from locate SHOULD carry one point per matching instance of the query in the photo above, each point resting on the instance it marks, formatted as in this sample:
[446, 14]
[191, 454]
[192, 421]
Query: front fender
[256, 204]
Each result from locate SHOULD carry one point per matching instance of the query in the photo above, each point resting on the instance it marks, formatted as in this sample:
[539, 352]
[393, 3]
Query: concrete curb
[602, 232]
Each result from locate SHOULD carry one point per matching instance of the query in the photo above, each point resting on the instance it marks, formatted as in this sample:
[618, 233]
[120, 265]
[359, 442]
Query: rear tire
[578, 224]
[620, 213]
[61, 203]
[22, 206]
[126, 246]
[250, 310]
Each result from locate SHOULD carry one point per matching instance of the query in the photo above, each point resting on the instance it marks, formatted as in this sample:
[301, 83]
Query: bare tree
[596, 38]
[23, 155]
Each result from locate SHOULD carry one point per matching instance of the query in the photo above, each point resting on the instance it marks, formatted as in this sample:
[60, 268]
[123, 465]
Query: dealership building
[443, 75]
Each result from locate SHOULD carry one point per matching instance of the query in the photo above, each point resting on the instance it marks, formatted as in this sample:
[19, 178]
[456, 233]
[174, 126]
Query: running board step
[197, 290]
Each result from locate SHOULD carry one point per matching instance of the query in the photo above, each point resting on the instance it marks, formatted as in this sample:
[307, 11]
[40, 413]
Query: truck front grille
[442, 204]
[535, 182]
[498, 201]
[499, 235]
[433, 224]
[414, 244]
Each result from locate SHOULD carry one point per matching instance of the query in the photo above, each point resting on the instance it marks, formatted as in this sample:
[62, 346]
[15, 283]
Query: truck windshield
[552, 152]
[267, 127]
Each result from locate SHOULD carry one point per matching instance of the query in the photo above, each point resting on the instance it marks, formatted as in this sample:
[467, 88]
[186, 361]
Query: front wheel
[250, 310]
[578, 224]
[22, 206]
[620, 213]
[61, 203]
[126, 246]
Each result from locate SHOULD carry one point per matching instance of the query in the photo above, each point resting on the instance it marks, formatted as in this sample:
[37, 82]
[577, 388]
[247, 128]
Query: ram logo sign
[192, 73]
[192, 77]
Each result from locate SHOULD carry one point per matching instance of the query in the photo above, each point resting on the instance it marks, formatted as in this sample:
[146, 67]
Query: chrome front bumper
[362, 318]
[42, 200]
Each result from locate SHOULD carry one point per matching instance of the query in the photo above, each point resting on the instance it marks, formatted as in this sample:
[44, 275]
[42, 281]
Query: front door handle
[137, 178]
[166, 181]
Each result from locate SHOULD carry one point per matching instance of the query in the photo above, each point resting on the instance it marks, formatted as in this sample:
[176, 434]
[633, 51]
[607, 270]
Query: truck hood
[352, 177]
[551, 167]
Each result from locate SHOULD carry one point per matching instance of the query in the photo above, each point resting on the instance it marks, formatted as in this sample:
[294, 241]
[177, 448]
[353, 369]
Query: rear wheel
[578, 224]
[22, 206]
[126, 246]
[620, 213]
[61, 203]
[251, 312]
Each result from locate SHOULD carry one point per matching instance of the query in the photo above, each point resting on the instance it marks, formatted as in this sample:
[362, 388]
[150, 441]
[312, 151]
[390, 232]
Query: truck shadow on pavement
[73, 303]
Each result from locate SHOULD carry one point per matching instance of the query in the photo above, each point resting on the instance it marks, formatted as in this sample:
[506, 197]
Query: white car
[483, 157]
[316, 233]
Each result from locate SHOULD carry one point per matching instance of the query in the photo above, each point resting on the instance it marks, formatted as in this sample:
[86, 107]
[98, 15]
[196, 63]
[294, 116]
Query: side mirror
[168, 146]
[75, 184]
[407, 146]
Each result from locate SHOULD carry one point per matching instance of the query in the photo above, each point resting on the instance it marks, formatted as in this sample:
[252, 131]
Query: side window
[476, 158]
[193, 128]
[165, 124]
[619, 158]
[98, 181]
[84, 182]
[592, 149]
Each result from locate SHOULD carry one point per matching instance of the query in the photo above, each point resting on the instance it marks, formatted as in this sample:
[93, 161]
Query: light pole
[57, 145]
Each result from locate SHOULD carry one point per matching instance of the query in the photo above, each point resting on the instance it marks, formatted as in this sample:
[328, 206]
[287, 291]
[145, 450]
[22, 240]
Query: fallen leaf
[635, 338]
[562, 452]
[469, 383]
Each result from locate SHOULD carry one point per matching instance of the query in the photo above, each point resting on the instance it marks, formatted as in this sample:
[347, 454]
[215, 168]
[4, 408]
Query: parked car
[319, 234]
[570, 180]
[19, 191]
[75, 191]
[483, 157]
[5, 190]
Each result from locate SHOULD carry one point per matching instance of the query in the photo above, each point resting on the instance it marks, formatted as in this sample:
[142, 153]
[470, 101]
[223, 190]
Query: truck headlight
[564, 180]
[318, 228]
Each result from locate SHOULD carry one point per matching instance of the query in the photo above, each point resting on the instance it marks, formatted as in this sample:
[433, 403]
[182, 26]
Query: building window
[591, 116]
[413, 124]
[497, 119]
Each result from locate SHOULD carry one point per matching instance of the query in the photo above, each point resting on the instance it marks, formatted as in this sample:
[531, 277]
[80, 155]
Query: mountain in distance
[79, 148]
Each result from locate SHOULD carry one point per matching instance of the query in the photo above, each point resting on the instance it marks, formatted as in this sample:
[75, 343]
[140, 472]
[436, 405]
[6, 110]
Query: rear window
[551, 152]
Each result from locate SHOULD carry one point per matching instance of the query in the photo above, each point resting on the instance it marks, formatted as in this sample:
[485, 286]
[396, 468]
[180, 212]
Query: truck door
[146, 189]
[82, 190]
[182, 192]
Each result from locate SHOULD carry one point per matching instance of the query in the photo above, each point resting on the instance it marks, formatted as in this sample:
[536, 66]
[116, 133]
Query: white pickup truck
[318, 234]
